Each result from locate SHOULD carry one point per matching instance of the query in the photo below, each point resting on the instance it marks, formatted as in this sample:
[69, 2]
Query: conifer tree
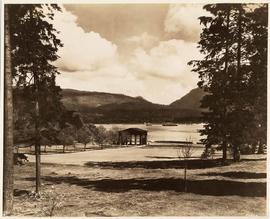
[214, 72]
[34, 49]
[227, 73]
[257, 71]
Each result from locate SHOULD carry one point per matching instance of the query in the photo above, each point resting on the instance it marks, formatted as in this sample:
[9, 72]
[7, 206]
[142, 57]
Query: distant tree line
[142, 115]
[67, 131]
[233, 72]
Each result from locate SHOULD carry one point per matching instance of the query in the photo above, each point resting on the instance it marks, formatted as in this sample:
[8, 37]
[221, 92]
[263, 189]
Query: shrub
[247, 149]
[205, 154]
[208, 153]
[48, 201]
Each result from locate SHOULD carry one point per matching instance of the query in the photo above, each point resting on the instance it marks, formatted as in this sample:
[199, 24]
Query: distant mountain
[100, 107]
[192, 100]
[85, 100]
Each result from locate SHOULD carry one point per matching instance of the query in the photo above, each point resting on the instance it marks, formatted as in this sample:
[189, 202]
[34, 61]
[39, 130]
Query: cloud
[144, 40]
[183, 19]
[168, 60]
[156, 70]
[82, 51]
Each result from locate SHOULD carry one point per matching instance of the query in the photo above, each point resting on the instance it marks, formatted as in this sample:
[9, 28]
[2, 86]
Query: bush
[112, 136]
[247, 149]
[48, 202]
[262, 149]
[205, 154]
[208, 153]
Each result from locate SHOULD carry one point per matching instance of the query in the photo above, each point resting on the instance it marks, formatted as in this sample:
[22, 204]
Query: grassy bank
[111, 189]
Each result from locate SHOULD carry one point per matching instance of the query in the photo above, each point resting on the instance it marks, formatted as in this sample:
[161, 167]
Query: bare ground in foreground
[150, 188]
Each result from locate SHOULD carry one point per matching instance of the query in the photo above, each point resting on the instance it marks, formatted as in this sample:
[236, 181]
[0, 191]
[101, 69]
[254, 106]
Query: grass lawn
[144, 188]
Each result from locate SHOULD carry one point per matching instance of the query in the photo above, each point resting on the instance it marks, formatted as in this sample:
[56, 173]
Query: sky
[132, 49]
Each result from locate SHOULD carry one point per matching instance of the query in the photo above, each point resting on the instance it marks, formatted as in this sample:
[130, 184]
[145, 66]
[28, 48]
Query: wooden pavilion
[132, 136]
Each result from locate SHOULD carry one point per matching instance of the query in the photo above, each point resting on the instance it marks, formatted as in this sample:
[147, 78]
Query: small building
[132, 136]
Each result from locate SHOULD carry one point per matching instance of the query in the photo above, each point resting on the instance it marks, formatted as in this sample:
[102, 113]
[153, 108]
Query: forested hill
[100, 107]
[190, 100]
[85, 100]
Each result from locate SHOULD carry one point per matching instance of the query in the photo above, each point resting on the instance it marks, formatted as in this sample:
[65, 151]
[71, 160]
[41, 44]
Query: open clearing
[140, 182]
[138, 153]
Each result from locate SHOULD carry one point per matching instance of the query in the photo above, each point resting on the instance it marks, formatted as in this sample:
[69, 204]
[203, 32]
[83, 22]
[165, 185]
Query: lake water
[157, 132]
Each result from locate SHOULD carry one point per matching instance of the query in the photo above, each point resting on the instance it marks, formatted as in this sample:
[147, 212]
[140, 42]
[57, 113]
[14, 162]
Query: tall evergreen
[227, 74]
[257, 71]
[215, 44]
[34, 49]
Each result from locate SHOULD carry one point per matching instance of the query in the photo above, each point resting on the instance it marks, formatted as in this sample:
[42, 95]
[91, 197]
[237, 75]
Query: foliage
[66, 136]
[48, 201]
[134, 115]
[247, 149]
[34, 49]
[227, 72]
[208, 153]
[112, 136]
[100, 135]
[85, 135]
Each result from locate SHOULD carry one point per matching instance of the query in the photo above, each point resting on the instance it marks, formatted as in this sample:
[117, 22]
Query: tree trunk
[236, 154]
[8, 123]
[64, 148]
[224, 143]
[224, 151]
[227, 42]
[260, 148]
[236, 151]
[37, 127]
[37, 138]
[239, 40]
[84, 147]
[185, 177]
[37, 135]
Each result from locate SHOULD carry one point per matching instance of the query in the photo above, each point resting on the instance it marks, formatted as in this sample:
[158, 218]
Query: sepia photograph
[134, 109]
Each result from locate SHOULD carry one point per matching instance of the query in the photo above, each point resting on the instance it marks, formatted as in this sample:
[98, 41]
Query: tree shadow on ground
[202, 187]
[240, 175]
[165, 164]
[174, 158]
[253, 159]
[159, 164]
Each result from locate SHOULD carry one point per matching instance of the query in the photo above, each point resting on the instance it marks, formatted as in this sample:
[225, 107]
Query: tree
[34, 49]
[66, 137]
[215, 44]
[257, 133]
[112, 136]
[185, 152]
[84, 136]
[8, 123]
[100, 135]
[224, 74]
